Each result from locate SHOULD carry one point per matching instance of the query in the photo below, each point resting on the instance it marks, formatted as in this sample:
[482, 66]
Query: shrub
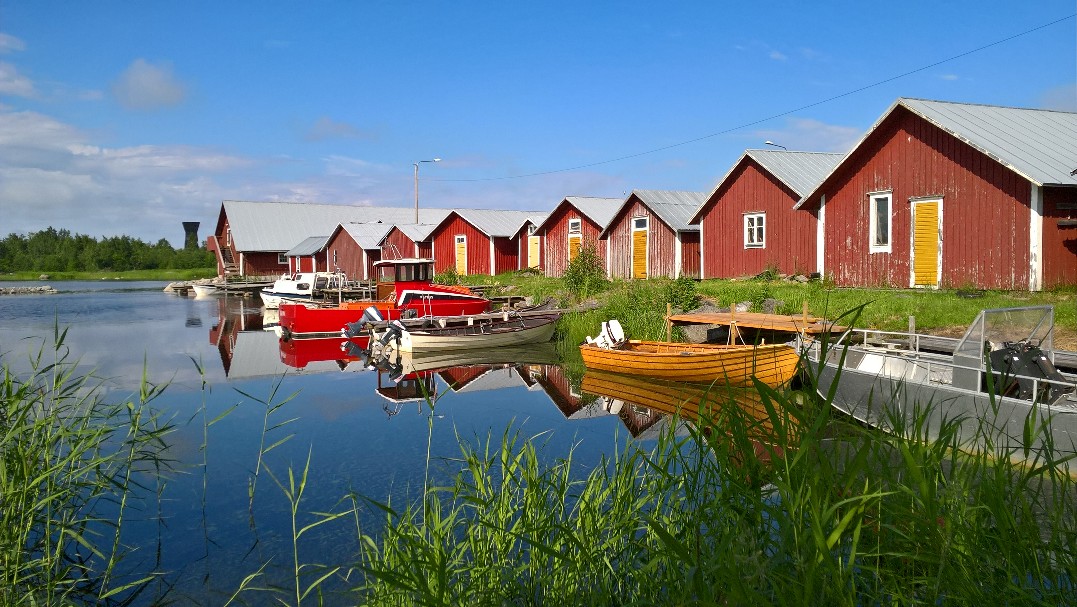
[586, 274]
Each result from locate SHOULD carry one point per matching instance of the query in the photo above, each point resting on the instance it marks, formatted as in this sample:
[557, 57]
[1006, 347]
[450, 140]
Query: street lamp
[417, 185]
[768, 142]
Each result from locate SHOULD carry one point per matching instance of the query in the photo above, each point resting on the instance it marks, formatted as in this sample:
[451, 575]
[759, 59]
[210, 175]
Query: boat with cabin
[735, 365]
[300, 287]
[404, 289]
[1000, 386]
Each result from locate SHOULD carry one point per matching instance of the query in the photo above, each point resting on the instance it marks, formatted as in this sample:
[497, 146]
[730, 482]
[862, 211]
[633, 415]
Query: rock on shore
[42, 290]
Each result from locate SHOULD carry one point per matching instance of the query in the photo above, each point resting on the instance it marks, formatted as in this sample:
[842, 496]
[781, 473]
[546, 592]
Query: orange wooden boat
[773, 364]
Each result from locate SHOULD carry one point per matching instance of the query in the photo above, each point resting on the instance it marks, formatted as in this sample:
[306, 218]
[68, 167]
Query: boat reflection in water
[734, 415]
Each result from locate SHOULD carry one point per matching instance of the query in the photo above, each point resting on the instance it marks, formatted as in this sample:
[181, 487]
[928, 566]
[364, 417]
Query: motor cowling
[1016, 367]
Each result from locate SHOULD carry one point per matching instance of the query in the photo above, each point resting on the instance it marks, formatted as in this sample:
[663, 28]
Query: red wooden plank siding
[790, 235]
[555, 240]
[985, 209]
[505, 255]
[1059, 242]
[690, 254]
[349, 256]
[397, 245]
[661, 243]
[261, 264]
[444, 239]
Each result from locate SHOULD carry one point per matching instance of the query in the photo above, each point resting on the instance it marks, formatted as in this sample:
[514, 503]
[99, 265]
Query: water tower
[190, 228]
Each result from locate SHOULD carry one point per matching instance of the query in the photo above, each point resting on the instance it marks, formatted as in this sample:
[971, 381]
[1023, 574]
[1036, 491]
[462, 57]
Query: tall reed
[70, 468]
[802, 509]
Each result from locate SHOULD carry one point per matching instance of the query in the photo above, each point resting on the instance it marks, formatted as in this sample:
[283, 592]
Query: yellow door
[461, 254]
[533, 249]
[925, 243]
[639, 253]
[575, 243]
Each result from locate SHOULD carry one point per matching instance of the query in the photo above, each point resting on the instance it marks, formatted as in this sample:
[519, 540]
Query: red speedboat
[298, 353]
[404, 289]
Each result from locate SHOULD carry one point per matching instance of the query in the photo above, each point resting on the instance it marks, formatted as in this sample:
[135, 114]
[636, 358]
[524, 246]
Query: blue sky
[130, 117]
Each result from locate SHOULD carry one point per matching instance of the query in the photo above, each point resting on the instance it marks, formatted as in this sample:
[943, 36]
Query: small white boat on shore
[205, 289]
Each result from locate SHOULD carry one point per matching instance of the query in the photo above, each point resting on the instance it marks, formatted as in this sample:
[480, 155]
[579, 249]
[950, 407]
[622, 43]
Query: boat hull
[298, 319]
[480, 335]
[906, 401]
[773, 365]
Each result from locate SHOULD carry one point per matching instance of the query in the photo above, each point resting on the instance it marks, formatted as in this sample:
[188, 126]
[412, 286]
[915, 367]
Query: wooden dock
[797, 323]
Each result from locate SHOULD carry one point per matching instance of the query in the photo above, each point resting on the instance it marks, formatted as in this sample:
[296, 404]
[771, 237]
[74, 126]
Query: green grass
[67, 458]
[169, 275]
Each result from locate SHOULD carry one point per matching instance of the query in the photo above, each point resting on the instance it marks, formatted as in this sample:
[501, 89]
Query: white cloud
[949, 77]
[777, 56]
[144, 86]
[811, 135]
[327, 128]
[10, 44]
[13, 83]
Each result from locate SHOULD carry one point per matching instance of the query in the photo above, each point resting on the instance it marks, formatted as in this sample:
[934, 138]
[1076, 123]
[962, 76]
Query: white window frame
[760, 225]
[282, 259]
[639, 223]
[873, 201]
[575, 226]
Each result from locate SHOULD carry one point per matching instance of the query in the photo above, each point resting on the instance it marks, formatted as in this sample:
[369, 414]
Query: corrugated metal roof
[417, 232]
[599, 210]
[1039, 145]
[310, 246]
[801, 171]
[367, 235]
[671, 206]
[493, 222]
[280, 226]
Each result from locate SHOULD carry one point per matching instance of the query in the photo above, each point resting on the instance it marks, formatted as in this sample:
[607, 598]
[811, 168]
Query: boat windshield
[992, 328]
[415, 271]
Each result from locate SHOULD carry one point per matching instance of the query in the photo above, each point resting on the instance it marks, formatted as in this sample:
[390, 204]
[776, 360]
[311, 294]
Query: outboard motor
[357, 328]
[393, 331]
[610, 337]
[1027, 361]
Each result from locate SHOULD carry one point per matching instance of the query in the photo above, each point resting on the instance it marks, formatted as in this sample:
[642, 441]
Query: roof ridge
[988, 105]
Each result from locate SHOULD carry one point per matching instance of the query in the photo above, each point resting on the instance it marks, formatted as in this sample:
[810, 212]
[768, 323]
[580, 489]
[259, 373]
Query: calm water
[363, 431]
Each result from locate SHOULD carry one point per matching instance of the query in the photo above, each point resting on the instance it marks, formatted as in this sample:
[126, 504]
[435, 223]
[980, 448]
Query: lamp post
[768, 142]
[417, 185]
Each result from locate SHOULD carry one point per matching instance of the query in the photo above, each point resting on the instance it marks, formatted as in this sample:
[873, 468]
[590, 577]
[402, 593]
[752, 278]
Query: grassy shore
[164, 275]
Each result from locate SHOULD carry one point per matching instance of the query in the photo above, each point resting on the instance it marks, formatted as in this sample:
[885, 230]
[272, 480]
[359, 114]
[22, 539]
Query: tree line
[53, 250]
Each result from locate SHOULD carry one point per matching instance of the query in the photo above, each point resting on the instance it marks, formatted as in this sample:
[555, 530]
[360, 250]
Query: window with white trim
[755, 230]
[575, 226]
[880, 209]
[282, 259]
[334, 257]
[639, 223]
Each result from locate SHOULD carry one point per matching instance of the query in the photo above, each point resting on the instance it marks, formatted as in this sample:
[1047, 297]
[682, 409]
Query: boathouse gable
[480, 241]
[941, 194]
[748, 223]
[408, 240]
[575, 222]
[308, 256]
[354, 247]
[646, 237]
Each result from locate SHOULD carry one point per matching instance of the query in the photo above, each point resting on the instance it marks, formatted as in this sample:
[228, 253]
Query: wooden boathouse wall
[444, 245]
[985, 209]
[789, 237]
[343, 253]
[506, 255]
[556, 256]
[398, 245]
[690, 260]
[1059, 239]
[661, 242]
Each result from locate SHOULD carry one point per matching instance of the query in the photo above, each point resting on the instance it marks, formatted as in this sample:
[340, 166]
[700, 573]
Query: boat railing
[935, 367]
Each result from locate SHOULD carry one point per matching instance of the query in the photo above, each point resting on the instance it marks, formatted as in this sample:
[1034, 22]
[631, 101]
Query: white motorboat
[300, 287]
[205, 289]
[999, 390]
